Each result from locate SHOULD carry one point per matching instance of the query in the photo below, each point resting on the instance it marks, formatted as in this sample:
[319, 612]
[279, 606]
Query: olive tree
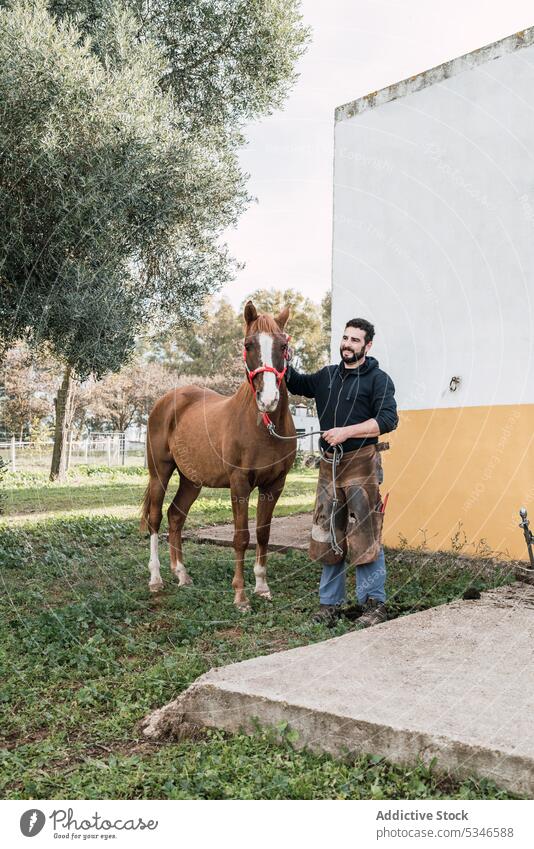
[118, 166]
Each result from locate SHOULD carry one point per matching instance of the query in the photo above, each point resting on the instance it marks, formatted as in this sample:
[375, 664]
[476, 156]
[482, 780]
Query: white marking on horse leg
[262, 587]
[184, 579]
[270, 393]
[155, 582]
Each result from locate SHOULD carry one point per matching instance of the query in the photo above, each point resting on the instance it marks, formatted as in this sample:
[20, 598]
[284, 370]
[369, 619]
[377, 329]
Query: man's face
[353, 346]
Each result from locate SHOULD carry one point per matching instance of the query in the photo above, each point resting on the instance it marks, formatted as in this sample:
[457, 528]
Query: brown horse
[220, 441]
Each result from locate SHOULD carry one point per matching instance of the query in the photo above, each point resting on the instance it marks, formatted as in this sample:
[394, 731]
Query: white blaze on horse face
[269, 395]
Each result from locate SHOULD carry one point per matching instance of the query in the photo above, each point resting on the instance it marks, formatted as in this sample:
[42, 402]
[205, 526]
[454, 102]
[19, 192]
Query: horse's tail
[145, 510]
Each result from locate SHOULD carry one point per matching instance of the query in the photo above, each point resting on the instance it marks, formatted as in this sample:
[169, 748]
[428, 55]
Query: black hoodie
[347, 396]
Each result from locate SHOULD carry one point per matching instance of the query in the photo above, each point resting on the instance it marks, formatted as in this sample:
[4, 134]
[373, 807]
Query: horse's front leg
[240, 489]
[267, 498]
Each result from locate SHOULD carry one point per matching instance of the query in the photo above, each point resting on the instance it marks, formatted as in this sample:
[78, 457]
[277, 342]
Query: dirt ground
[287, 532]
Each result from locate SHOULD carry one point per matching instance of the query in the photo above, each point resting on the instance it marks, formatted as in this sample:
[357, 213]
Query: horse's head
[265, 354]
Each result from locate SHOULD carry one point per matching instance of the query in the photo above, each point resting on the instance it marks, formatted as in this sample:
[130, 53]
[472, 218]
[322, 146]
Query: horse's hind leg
[267, 498]
[177, 514]
[160, 474]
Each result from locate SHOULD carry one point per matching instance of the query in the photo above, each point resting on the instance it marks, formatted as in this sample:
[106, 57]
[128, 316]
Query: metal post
[108, 446]
[13, 455]
[529, 538]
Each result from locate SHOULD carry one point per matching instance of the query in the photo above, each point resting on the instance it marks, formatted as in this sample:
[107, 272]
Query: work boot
[353, 612]
[374, 613]
[327, 614]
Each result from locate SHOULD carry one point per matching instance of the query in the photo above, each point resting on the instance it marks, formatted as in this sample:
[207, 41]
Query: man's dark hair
[362, 324]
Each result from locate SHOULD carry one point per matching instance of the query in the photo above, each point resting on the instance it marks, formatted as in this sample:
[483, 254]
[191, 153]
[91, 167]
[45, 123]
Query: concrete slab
[455, 682]
[287, 532]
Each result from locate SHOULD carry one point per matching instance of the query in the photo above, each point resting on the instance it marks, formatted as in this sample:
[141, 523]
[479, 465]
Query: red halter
[279, 377]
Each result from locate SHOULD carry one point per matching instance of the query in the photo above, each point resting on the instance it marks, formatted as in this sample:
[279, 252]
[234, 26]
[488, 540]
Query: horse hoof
[243, 606]
[266, 594]
[186, 581]
[156, 586]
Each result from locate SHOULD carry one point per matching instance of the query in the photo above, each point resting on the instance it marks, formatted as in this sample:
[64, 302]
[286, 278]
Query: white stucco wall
[434, 234]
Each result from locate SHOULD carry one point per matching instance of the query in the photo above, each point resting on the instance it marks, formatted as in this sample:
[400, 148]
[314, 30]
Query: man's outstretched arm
[302, 384]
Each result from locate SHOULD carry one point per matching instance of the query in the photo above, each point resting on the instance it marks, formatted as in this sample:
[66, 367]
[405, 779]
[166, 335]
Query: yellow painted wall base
[460, 475]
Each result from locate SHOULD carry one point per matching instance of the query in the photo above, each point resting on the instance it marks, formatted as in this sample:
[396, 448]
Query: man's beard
[353, 358]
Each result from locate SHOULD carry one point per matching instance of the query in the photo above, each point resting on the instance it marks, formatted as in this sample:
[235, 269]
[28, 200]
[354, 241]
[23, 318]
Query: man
[355, 404]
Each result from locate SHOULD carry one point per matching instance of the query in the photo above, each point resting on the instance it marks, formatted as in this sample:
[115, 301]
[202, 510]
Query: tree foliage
[28, 383]
[224, 61]
[126, 398]
[110, 208]
[204, 348]
[210, 351]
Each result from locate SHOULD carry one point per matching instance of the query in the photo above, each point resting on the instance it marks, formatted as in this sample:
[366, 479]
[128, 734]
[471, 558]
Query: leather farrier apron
[358, 518]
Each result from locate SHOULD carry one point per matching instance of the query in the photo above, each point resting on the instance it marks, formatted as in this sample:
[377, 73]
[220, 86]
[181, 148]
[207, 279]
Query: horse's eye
[248, 346]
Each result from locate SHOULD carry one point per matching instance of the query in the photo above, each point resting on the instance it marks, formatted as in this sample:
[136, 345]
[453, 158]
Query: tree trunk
[64, 411]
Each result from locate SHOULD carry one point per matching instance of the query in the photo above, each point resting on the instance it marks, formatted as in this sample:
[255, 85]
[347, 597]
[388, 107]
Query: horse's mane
[264, 323]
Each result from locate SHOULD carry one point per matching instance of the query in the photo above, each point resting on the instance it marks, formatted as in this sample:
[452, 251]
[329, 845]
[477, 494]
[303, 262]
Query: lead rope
[338, 449]
[335, 460]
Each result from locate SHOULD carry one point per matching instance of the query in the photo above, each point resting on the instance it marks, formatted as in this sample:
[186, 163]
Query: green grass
[30, 496]
[86, 651]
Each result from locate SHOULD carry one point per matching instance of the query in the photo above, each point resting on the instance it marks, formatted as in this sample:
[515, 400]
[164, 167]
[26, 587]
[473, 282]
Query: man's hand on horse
[336, 435]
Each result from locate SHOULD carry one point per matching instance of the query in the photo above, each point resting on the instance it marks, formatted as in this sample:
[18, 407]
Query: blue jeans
[370, 582]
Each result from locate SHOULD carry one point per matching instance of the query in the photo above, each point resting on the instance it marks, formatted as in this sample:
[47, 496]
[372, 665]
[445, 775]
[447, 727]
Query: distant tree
[326, 321]
[28, 383]
[226, 383]
[118, 166]
[125, 397]
[209, 346]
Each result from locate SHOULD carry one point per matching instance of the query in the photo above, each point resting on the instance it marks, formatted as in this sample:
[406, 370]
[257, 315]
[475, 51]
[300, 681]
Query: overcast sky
[357, 46]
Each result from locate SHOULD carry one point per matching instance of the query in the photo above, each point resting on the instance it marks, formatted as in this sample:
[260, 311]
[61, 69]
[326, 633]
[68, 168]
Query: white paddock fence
[118, 449]
[305, 423]
[98, 449]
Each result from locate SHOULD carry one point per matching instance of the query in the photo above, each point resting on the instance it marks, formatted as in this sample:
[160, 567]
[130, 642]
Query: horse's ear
[250, 313]
[282, 317]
